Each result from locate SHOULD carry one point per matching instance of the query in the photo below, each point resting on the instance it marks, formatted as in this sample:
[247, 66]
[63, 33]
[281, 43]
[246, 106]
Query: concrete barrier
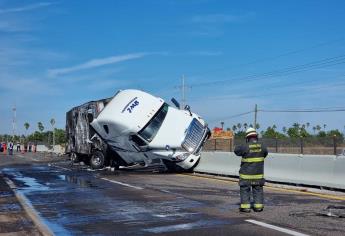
[339, 172]
[58, 149]
[226, 163]
[317, 170]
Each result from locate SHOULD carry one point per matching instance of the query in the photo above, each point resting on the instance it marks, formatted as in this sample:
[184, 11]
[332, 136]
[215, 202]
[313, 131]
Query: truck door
[141, 146]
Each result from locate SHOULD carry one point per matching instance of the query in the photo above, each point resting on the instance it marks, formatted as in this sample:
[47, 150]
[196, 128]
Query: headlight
[182, 157]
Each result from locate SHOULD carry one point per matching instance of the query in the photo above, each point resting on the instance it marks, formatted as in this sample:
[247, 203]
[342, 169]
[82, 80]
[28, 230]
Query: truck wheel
[74, 158]
[97, 160]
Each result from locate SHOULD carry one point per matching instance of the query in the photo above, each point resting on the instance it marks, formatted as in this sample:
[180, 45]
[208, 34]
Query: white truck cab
[142, 127]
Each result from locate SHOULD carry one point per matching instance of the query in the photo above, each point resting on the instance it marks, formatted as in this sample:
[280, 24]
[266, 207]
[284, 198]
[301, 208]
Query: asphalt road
[73, 200]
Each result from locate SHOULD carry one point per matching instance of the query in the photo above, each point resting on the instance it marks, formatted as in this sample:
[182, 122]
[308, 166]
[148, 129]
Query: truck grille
[195, 133]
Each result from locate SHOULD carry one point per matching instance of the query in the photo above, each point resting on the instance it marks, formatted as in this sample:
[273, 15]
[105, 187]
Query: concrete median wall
[325, 171]
[58, 149]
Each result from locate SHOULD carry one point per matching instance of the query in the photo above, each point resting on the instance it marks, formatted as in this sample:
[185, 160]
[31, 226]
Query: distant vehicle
[134, 127]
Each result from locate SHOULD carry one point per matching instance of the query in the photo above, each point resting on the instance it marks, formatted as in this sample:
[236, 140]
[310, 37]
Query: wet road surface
[76, 201]
[13, 218]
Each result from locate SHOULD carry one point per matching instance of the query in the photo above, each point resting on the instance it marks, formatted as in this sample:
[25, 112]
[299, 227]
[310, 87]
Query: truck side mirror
[176, 103]
[187, 108]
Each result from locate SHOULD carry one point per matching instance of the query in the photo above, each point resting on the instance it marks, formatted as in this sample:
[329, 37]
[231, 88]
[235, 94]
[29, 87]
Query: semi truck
[134, 127]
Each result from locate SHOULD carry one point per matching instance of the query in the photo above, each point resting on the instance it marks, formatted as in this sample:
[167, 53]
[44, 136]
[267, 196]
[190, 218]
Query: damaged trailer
[134, 127]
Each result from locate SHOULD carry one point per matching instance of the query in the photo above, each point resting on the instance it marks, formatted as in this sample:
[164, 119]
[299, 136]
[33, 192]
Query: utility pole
[255, 115]
[183, 92]
[183, 88]
[14, 120]
[52, 122]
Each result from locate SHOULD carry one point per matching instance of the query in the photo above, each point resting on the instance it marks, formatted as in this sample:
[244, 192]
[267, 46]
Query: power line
[279, 55]
[331, 61]
[233, 116]
[306, 110]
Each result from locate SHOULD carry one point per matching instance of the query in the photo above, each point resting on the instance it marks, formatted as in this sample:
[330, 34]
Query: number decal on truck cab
[132, 106]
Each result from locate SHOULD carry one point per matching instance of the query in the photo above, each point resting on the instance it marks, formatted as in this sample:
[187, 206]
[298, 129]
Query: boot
[245, 210]
[258, 209]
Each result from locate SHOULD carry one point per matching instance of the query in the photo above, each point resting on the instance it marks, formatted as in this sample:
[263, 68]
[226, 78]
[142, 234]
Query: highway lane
[74, 201]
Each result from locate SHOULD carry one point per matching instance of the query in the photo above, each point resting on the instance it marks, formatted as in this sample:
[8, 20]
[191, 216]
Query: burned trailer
[83, 143]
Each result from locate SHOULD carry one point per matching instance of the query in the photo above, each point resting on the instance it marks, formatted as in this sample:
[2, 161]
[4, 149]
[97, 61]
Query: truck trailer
[134, 127]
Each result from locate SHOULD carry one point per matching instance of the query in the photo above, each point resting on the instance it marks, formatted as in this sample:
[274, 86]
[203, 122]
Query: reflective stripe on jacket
[253, 156]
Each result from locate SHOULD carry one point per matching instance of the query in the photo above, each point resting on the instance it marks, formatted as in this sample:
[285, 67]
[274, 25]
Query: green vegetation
[295, 131]
[37, 136]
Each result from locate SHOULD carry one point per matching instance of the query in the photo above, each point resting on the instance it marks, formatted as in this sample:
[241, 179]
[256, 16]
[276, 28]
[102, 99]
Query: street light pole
[52, 122]
[14, 121]
[255, 115]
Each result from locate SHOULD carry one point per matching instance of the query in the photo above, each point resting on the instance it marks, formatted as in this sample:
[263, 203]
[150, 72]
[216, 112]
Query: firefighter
[251, 173]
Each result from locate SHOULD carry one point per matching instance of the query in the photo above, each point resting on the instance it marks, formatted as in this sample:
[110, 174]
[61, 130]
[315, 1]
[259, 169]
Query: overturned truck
[132, 128]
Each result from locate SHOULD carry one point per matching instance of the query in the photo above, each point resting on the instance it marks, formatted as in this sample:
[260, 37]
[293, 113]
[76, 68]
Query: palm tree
[245, 126]
[239, 126]
[284, 130]
[222, 124]
[314, 129]
[295, 125]
[40, 126]
[324, 127]
[234, 128]
[307, 124]
[318, 127]
[52, 121]
[26, 125]
[274, 127]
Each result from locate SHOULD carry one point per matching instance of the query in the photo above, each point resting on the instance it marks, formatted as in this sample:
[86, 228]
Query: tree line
[57, 136]
[296, 130]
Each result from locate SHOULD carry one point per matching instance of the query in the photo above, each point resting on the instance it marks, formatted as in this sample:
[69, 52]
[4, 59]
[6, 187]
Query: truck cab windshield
[151, 128]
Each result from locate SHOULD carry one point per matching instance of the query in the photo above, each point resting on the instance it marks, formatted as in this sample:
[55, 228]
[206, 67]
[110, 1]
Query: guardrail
[324, 171]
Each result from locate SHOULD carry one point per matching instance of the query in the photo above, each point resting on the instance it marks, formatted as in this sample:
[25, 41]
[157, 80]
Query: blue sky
[58, 54]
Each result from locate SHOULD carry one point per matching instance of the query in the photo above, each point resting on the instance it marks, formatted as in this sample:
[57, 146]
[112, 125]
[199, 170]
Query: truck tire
[97, 160]
[172, 167]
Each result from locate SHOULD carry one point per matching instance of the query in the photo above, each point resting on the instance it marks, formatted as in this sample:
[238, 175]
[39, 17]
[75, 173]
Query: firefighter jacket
[252, 164]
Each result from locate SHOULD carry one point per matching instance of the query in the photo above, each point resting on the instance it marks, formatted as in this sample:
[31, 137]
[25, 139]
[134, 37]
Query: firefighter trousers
[258, 196]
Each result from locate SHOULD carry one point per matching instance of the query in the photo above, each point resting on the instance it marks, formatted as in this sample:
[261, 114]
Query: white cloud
[95, 63]
[30, 7]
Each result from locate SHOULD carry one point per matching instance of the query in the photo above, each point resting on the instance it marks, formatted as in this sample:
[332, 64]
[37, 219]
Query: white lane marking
[123, 184]
[165, 191]
[173, 215]
[280, 229]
